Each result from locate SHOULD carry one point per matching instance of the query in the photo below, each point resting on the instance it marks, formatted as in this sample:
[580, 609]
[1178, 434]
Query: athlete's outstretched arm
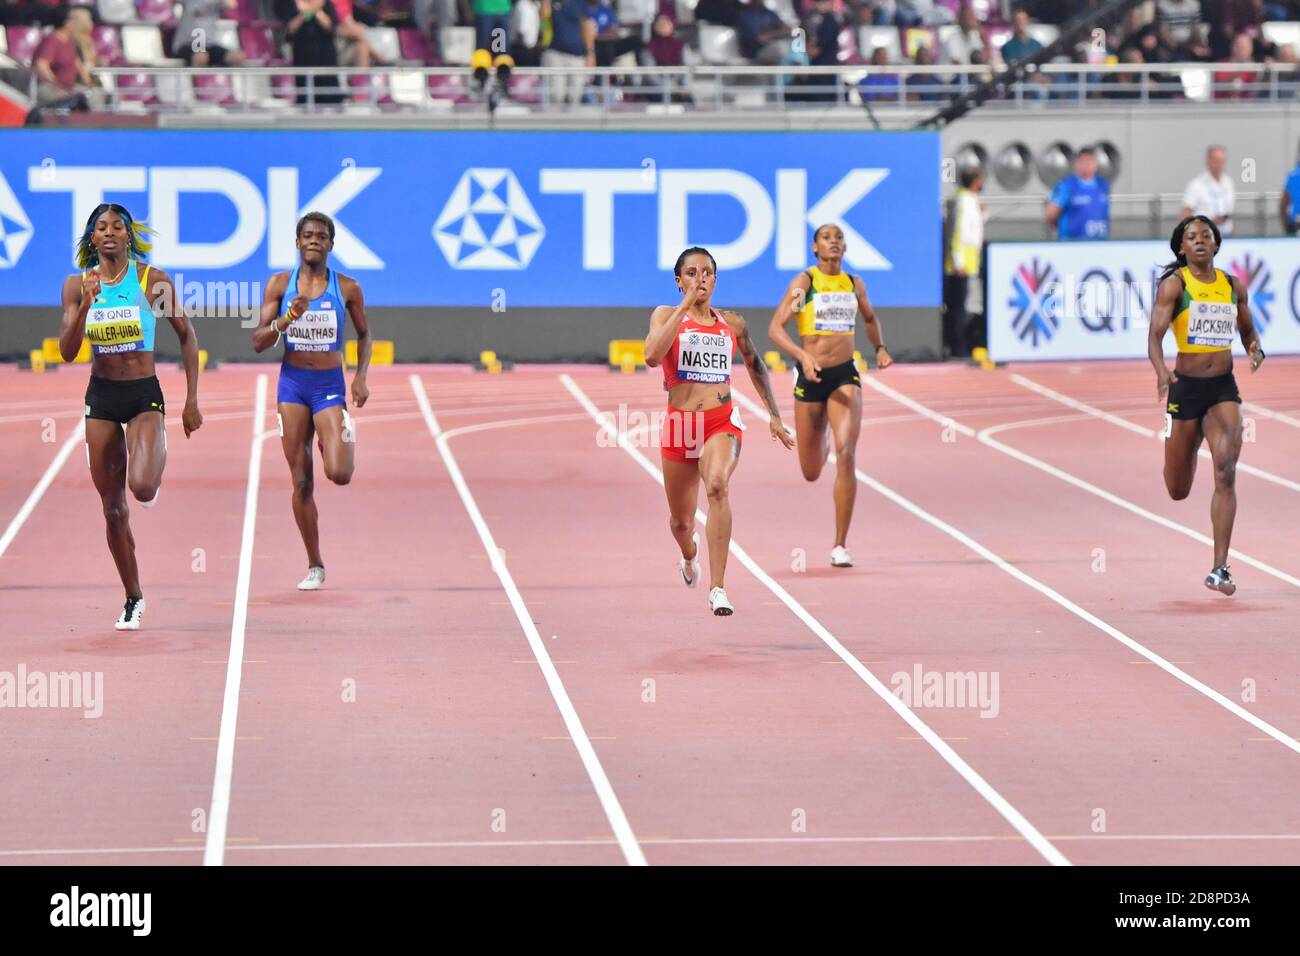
[356, 305]
[1162, 313]
[78, 295]
[269, 328]
[1246, 326]
[875, 333]
[162, 294]
[790, 304]
[759, 375]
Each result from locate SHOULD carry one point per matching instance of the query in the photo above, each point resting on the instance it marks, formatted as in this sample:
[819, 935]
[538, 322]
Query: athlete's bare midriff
[828, 350]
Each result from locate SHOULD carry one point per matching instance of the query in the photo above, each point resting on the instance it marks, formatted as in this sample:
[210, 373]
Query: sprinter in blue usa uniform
[115, 303]
[312, 395]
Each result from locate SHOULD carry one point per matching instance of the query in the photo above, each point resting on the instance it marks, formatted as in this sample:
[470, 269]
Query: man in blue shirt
[573, 44]
[1079, 206]
[1290, 209]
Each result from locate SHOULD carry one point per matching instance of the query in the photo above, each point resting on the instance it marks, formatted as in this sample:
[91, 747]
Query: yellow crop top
[1206, 317]
[830, 306]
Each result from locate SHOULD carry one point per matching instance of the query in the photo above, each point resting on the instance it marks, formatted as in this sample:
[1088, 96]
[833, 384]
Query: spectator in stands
[665, 45]
[1211, 193]
[527, 34]
[1290, 206]
[1196, 48]
[351, 29]
[195, 30]
[611, 43]
[1124, 86]
[921, 86]
[967, 39]
[1236, 84]
[725, 13]
[491, 19]
[879, 86]
[1079, 207]
[963, 243]
[309, 25]
[573, 44]
[1180, 16]
[1021, 43]
[822, 27]
[764, 36]
[82, 25]
[62, 79]
[921, 13]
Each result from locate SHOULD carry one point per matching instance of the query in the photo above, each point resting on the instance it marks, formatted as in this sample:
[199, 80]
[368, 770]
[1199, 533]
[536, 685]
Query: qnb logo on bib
[1211, 324]
[703, 357]
[313, 331]
[834, 311]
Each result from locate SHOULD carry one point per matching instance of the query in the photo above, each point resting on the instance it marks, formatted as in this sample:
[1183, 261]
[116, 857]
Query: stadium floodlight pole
[997, 87]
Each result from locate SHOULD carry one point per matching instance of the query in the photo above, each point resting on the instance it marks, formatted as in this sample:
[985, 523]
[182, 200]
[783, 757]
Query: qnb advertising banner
[1093, 300]
[484, 219]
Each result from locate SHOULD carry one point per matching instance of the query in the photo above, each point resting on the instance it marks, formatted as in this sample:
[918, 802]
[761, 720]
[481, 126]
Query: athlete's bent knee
[339, 475]
[143, 490]
[1178, 490]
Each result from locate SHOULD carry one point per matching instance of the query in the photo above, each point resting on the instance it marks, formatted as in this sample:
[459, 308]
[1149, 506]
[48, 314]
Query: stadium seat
[408, 88]
[848, 46]
[784, 9]
[213, 88]
[247, 11]
[161, 12]
[226, 35]
[416, 46]
[370, 89]
[635, 11]
[135, 88]
[1198, 84]
[259, 47]
[1283, 33]
[116, 11]
[142, 45]
[383, 41]
[457, 45]
[23, 41]
[447, 88]
[719, 45]
[916, 37]
[870, 37]
[108, 45]
[526, 89]
[996, 38]
[1044, 33]
[685, 11]
[4, 41]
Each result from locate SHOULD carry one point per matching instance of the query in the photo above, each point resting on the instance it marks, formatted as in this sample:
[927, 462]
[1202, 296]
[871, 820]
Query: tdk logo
[488, 223]
[15, 228]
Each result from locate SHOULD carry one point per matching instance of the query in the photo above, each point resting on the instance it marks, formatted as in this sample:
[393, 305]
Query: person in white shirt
[1211, 193]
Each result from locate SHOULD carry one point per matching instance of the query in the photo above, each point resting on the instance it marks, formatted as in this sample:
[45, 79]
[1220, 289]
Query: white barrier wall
[1091, 300]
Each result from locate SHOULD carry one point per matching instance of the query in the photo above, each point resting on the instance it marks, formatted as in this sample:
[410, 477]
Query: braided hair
[138, 245]
[1176, 243]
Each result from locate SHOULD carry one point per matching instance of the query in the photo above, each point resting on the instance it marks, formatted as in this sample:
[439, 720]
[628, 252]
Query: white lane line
[1269, 413]
[985, 438]
[219, 812]
[674, 841]
[511, 423]
[1004, 565]
[573, 724]
[968, 773]
[1244, 467]
[51, 471]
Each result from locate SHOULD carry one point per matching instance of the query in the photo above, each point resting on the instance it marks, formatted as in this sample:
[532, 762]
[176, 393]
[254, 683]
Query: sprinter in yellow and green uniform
[1207, 309]
[114, 303]
[828, 391]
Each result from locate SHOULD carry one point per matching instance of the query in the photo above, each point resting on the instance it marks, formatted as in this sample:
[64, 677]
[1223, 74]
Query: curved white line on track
[627, 840]
[1244, 467]
[985, 438]
[981, 786]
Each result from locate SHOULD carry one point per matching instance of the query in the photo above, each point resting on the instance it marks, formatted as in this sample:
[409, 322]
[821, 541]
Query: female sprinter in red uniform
[311, 396]
[827, 392]
[115, 304]
[1207, 308]
[701, 434]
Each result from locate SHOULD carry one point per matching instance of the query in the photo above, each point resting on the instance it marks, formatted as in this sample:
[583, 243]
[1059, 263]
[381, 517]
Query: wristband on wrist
[880, 346]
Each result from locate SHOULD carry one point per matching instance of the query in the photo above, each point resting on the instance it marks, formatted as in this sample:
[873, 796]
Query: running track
[505, 668]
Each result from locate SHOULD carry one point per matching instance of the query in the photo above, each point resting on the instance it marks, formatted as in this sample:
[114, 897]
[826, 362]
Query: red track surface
[456, 749]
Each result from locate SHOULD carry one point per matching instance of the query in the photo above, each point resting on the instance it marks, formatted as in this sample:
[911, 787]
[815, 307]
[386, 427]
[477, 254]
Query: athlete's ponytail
[138, 244]
[1176, 244]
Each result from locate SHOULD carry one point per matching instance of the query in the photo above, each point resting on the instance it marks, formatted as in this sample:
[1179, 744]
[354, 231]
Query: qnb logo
[15, 228]
[1254, 274]
[1033, 287]
[488, 223]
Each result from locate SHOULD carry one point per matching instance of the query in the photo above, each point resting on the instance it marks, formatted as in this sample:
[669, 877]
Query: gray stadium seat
[384, 41]
[719, 46]
[226, 34]
[116, 11]
[685, 10]
[142, 45]
[870, 37]
[1044, 33]
[1283, 33]
[457, 45]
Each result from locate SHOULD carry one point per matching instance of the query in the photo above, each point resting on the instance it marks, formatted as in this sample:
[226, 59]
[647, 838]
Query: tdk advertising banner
[465, 218]
[1093, 300]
